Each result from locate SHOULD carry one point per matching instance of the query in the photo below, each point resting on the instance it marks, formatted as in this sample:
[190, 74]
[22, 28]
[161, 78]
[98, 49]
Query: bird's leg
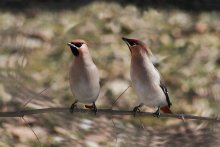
[92, 107]
[157, 112]
[73, 106]
[137, 109]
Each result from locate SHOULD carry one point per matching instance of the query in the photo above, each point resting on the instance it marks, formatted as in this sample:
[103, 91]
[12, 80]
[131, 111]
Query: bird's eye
[132, 43]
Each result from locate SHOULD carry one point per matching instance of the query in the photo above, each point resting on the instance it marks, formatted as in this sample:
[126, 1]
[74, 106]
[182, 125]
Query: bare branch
[103, 112]
[120, 96]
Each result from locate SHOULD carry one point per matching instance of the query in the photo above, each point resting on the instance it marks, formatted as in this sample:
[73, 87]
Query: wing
[163, 87]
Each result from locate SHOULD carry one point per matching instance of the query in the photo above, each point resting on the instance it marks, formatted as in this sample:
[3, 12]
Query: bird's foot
[93, 107]
[157, 113]
[136, 109]
[73, 106]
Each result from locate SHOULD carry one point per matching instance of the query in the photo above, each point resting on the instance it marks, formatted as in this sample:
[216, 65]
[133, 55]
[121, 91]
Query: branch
[103, 112]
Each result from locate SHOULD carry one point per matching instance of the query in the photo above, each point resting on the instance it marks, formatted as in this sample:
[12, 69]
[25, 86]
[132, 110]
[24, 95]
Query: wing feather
[165, 91]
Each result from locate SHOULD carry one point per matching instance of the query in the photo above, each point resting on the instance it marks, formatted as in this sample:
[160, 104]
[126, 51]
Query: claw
[94, 108]
[137, 109]
[157, 112]
[73, 106]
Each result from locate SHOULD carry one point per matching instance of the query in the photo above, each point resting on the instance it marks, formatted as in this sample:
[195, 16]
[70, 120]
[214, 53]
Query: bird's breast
[145, 81]
[84, 83]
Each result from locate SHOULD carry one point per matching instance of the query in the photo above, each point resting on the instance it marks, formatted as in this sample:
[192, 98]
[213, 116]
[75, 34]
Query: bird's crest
[78, 41]
[75, 46]
[132, 42]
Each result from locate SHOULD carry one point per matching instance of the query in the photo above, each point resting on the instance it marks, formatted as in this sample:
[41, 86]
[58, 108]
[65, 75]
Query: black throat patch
[74, 51]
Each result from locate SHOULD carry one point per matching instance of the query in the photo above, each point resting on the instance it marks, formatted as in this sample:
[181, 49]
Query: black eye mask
[74, 48]
[77, 44]
[131, 43]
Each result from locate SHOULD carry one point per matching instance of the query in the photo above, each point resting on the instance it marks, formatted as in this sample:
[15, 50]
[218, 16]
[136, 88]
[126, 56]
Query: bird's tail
[166, 109]
[89, 106]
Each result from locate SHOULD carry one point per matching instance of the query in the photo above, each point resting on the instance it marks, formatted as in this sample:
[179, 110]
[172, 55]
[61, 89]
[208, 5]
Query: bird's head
[136, 46]
[78, 46]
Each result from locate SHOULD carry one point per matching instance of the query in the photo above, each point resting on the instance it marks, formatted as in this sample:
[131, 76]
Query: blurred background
[34, 63]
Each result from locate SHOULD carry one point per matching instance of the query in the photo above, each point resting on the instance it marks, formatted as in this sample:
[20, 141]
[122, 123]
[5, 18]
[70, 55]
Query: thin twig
[116, 134]
[27, 122]
[103, 112]
[142, 124]
[29, 100]
[120, 96]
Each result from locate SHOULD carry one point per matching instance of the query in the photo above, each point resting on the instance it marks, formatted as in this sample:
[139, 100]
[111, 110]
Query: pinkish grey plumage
[84, 76]
[145, 77]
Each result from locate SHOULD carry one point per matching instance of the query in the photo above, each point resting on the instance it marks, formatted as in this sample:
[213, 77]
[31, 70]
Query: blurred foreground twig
[102, 112]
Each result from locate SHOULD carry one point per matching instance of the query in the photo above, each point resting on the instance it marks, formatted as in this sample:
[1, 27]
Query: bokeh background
[184, 37]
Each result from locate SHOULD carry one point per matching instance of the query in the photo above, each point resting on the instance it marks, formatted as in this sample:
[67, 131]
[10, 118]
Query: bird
[146, 79]
[83, 76]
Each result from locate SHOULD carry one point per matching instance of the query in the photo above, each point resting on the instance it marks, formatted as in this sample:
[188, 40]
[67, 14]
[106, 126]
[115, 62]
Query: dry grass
[34, 56]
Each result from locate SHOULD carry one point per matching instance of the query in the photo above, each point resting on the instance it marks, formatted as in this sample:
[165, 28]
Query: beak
[73, 48]
[126, 40]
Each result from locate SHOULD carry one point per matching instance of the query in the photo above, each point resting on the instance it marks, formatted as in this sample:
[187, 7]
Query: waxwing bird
[146, 79]
[83, 76]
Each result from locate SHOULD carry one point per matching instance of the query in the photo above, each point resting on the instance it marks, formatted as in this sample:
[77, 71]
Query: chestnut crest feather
[135, 42]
